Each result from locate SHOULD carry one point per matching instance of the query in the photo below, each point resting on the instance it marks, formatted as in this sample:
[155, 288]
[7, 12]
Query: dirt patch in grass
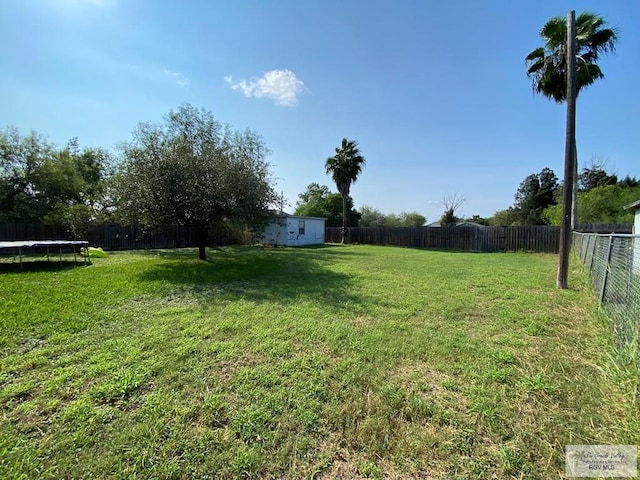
[227, 367]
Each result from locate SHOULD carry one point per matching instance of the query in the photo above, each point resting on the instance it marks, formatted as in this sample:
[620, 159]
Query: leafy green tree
[40, 183]
[318, 201]
[74, 183]
[601, 204]
[509, 216]
[479, 220]
[192, 170]
[20, 159]
[412, 219]
[449, 218]
[78, 218]
[371, 217]
[391, 220]
[628, 182]
[405, 219]
[547, 65]
[536, 192]
[344, 167]
[595, 176]
[314, 193]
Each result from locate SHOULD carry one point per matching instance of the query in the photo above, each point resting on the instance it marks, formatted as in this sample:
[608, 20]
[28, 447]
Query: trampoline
[57, 246]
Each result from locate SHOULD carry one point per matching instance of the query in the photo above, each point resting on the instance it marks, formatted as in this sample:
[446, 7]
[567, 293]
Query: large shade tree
[547, 65]
[40, 183]
[21, 158]
[344, 167]
[194, 171]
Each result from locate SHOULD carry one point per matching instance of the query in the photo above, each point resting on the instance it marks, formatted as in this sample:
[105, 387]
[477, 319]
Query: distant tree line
[371, 217]
[319, 201]
[600, 199]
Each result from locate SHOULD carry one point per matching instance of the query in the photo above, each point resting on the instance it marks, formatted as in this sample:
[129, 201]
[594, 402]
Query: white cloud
[280, 85]
[177, 77]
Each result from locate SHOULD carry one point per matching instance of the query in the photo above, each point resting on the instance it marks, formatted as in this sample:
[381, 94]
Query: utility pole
[282, 202]
[569, 154]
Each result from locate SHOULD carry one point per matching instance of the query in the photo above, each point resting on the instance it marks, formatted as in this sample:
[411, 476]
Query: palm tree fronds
[547, 65]
[606, 40]
[536, 54]
[588, 73]
[344, 167]
[554, 32]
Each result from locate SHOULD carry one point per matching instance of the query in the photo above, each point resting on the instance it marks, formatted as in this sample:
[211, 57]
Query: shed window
[300, 227]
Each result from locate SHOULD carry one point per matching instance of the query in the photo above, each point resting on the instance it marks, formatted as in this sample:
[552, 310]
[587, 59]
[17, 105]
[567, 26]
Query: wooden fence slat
[537, 238]
[116, 237]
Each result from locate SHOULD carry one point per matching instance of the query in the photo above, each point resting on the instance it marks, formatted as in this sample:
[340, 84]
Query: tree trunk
[569, 155]
[343, 232]
[574, 194]
[203, 234]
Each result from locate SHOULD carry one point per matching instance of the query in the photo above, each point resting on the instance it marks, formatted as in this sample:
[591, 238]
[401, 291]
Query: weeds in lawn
[331, 362]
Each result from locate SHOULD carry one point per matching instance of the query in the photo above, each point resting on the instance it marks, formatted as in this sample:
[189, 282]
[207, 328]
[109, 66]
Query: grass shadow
[39, 265]
[276, 275]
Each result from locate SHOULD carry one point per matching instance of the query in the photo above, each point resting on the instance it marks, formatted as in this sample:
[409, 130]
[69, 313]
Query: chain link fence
[614, 263]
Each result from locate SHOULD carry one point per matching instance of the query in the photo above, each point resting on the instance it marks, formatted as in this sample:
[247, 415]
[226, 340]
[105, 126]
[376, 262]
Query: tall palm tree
[344, 167]
[547, 65]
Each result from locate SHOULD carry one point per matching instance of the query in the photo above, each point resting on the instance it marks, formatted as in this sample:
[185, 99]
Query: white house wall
[286, 231]
[313, 232]
[275, 233]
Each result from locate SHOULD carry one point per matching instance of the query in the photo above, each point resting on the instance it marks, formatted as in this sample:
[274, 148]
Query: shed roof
[635, 205]
[300, 217]
[459, 224]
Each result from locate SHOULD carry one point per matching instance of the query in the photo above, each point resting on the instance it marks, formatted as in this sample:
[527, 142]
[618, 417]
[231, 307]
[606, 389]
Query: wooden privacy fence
[534, 238]
[465, 238]
[112, 236]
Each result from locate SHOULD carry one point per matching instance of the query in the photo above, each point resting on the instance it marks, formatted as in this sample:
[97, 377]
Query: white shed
[635, 206]
[294, 231]
[636, 223]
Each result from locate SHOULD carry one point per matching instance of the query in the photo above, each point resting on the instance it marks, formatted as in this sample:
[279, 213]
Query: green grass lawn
[330, 362]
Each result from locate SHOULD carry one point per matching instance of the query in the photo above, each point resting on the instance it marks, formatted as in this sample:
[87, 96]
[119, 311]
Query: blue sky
[434, 92]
